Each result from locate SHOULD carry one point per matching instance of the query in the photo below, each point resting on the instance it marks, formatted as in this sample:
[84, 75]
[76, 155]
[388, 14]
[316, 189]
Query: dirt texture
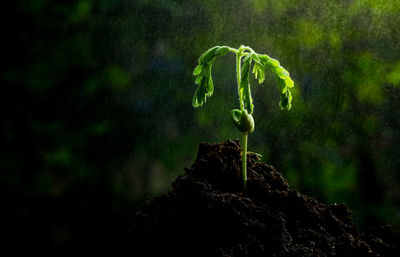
[206, 214]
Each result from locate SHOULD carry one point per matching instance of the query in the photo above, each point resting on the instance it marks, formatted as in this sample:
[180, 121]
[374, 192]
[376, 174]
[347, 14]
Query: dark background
[96, 111]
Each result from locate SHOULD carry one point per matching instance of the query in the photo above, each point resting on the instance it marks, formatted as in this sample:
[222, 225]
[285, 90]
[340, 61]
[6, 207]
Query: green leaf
[282, 85]
[205, 86]
[268, 61]
[283, 79]
[199, 79]
[255, 57]
[276, 68]
[286, 96]
[204, 81]
[208, 56]
[197, 70]
[286, 101]
[245, 84]
[259, 72]
[221, 51]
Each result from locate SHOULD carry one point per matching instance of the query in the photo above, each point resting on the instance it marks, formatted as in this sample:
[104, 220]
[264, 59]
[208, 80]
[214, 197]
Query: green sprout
[242, 118]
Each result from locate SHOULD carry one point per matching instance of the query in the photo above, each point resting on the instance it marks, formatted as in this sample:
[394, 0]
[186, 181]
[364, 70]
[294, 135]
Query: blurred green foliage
[96, 105]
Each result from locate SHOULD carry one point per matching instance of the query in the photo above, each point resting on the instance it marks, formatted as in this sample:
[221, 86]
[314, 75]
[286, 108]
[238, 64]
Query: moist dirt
[207, 214]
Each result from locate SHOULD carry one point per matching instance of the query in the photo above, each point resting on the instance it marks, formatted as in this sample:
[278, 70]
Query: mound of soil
[206, 214]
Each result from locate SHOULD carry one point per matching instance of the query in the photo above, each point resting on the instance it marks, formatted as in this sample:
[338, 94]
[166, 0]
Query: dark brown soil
[206, 214]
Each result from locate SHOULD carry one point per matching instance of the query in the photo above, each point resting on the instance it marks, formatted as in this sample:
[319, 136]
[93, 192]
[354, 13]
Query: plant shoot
[245, 57]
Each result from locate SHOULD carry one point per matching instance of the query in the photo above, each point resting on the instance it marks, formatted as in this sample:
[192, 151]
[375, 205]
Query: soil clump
[207, 214]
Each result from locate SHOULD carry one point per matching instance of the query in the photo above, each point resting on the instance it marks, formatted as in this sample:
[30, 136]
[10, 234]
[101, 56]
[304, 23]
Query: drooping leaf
[197, 70]
[205, 86]
[204, 81]
[282, 85]
[273, 65]
[286, 100]
[245, 84]
[268, 61]
[208, 56]
[259, 72]
[199, 79]
[283, 79]
[255, 57]
[286, 96]
[221, 51]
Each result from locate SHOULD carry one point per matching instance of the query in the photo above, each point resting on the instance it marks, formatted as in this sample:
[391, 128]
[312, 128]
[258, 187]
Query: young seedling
[242, 118]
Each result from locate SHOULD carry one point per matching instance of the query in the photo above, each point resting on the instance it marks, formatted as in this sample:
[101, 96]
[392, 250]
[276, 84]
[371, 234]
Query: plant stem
[244, 161]
[233, 50]
[244, 139]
